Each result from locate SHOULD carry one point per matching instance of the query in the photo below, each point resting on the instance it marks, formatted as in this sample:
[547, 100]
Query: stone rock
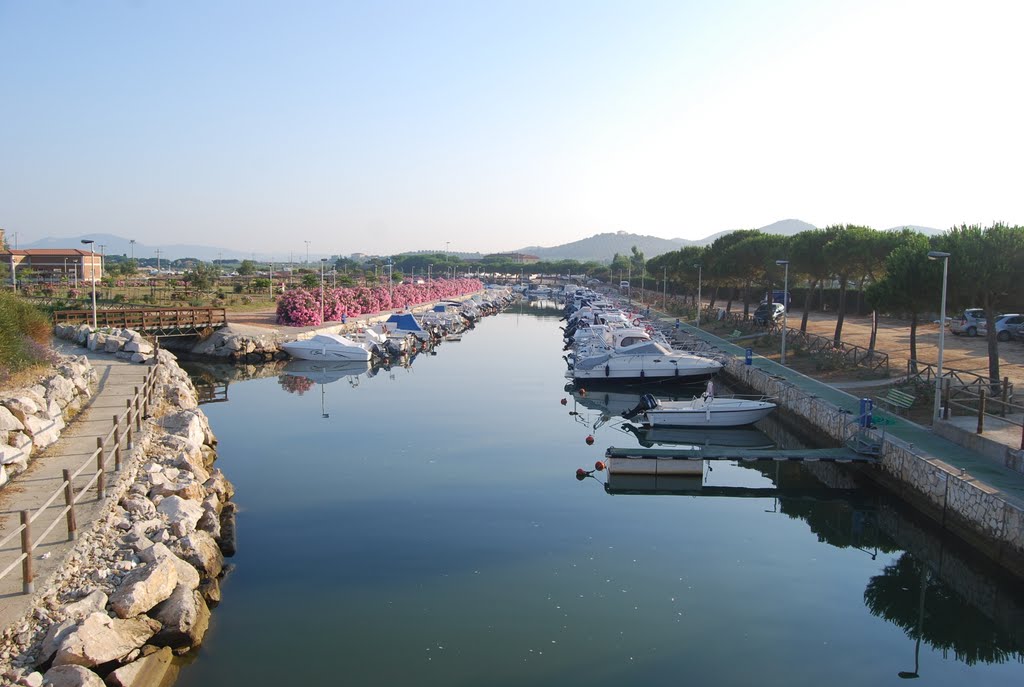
[21, 406]
[188, 576]
[186, 424]
[99, 639]
[185, 618]
[139, 357]
[182, 514]
[218, 484]
[94, 602]
[60, 389]
[43, 432]
[15, 457]
[201, 550]
[210, 589]
[139, 506]
[210, 522]
[8, 421]
[71, 676]
[32, 680]
[154, 670]
[141, 346]
[20, 440]
[143, 588]
[113, 344]
[193, 462]
[55, 636]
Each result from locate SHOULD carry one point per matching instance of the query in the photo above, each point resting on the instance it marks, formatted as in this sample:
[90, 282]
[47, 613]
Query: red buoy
[580, 473]
[599, 466]
[564, 401]
[590, 440]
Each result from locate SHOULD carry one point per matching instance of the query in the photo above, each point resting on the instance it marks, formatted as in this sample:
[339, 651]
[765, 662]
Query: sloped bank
[139, 584]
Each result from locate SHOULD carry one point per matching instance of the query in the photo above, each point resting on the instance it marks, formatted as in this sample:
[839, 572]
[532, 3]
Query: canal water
[424, 526]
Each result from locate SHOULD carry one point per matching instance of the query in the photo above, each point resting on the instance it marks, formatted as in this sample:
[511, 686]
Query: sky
[491, 125]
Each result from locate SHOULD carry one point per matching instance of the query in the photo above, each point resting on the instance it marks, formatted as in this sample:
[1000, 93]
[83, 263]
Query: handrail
[99, 459]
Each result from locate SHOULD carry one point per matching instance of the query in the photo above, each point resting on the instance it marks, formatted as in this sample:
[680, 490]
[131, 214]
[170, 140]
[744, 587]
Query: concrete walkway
[983, 469]
[29, 490]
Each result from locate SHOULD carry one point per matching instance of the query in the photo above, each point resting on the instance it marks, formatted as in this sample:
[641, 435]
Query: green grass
[24, 334]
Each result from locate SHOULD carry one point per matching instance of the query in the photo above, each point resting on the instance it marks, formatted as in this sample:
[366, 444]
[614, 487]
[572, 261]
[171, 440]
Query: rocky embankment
[139, 584]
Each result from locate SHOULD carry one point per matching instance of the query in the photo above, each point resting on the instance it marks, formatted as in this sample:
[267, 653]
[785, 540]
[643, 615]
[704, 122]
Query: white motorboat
[631, 355]
[330, 347]
[705, 410]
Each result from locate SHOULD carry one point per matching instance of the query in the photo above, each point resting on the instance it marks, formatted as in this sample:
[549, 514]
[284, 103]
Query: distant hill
[116, 245]
[927, 231]
[603, 247]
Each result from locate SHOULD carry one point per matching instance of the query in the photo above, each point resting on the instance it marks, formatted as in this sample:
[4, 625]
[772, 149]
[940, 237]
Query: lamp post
[785, 306]
[939, 255]
[92, 274]
[664, 289]
[132, 243]
[700, 268]
[391, 288]
[323, 262]
[307, 254]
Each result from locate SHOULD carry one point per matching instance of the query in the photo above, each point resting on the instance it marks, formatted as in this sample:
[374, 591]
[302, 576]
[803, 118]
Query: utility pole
[307, 253]
[158, 251]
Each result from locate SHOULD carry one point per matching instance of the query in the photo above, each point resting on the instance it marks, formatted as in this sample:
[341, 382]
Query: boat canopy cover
[333, 339]
[406, 322]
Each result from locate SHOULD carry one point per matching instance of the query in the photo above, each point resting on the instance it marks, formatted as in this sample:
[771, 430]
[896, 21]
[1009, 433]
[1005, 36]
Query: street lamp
[307, 253]
[132, 242]
[939, 255]
[323, 262]
[785, 306]
[92, 274]
[700, 268]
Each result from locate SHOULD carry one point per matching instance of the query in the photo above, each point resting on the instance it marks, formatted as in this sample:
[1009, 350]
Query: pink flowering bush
[301, 307]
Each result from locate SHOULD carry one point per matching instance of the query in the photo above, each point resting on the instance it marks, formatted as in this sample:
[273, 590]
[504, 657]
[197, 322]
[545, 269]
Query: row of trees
[890, 270]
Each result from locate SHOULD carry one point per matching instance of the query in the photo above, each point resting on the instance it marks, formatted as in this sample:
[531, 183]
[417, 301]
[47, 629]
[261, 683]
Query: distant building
[52, 264]
[517, 258]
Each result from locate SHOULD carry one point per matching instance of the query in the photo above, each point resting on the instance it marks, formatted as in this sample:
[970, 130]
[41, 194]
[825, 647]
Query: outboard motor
[647, 402]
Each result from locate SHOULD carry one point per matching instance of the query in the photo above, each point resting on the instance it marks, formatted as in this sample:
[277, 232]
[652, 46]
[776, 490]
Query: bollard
[981, 411]
[28, 584]
[749, 360]
[1006, 398]
[69, 501]
[100, 486]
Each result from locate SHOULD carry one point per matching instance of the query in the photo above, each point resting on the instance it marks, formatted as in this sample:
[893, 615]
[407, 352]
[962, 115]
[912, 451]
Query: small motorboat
[706, 410]
[330, 347]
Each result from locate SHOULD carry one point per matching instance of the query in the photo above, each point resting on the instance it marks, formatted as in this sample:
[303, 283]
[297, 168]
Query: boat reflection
[319, 372]
[733, 437]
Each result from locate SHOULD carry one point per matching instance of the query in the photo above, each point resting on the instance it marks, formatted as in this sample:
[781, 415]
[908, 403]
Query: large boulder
[188, 576]
[60, 389]
[71, 676]
[185, 618]
[182, 514]
[8, 421]
[92, 602]
[201, 550]
[21, 406]
[155, 670]
[100, 639]
[143, 588]
[43, 431]
[185, 423]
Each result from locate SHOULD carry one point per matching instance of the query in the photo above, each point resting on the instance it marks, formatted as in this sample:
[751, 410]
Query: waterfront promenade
[1007, 482]
[116, 383]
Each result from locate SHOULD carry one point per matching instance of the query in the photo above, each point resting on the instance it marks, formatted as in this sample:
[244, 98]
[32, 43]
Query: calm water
[424, 526]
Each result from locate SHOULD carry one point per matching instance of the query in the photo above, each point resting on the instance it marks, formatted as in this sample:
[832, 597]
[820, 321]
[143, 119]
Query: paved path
[1009, 482]
[29, 490]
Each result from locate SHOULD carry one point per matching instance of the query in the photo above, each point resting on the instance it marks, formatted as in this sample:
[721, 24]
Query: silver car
[971, 322]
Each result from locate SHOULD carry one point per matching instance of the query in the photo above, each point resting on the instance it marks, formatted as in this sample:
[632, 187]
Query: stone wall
[32, 418]
[968, 507]
[139, 584]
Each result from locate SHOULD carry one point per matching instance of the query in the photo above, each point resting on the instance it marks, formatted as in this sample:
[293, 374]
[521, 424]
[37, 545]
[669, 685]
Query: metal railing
[107, 447]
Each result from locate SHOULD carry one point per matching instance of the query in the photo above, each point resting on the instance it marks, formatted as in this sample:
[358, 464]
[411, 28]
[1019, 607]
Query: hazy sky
[380, 127]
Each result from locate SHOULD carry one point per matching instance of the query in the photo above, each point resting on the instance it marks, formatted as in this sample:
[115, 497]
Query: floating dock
[690, 461]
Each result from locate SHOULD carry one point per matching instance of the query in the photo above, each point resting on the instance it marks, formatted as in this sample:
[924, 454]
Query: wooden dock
[157, 321]
[700, 453]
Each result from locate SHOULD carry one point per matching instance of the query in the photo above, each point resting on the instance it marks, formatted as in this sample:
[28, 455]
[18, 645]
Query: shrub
[24, 335]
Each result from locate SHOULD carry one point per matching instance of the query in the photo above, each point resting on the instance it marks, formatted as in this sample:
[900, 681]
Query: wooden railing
[148, 319]
[961, 382]
[109, 447]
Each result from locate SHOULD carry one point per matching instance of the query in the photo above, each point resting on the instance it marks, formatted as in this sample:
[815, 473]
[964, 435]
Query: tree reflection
[945, 621]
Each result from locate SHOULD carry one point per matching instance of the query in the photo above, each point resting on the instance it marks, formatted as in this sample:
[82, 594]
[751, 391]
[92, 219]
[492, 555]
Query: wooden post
[28, 585]
[908, 368]
[69, 501]
[117, 446]
[100, 486]
[138, 411]
[981, 410]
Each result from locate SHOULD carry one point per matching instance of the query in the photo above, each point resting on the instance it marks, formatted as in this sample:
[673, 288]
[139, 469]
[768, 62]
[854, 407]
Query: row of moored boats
[609, 344]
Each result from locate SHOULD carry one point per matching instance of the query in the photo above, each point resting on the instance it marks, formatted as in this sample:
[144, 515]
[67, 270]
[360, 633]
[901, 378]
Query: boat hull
[325, 353]
[708, 416]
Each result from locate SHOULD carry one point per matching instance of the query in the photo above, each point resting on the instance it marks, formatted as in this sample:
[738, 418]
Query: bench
[735, 333]
[897, 399]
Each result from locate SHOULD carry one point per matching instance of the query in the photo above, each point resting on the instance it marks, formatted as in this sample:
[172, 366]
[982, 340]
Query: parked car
[971, 322]
[1007, 324]
[767, 313]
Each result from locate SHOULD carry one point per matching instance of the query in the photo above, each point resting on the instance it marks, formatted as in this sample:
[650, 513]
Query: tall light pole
[391, 284]
[939, 255]
[323, 262]
[785, 306]
[307, 253]
[700, 268]
[92, 274]
[132, 243]
[664, 289]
